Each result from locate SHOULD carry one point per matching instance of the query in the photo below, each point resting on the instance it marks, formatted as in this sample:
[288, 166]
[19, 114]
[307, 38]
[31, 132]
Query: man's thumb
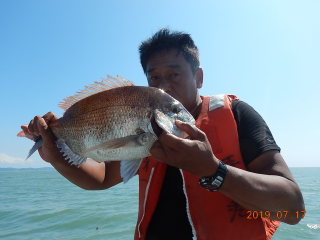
[191, 130]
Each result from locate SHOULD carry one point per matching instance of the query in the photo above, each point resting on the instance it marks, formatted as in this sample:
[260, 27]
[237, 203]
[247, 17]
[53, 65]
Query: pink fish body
[112, 121]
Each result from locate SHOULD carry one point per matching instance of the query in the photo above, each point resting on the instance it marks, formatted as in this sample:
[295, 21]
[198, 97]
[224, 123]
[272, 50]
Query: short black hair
[166, 39]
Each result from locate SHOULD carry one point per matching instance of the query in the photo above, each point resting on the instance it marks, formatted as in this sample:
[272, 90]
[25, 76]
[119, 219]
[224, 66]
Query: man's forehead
[172, 66]
[166, 59]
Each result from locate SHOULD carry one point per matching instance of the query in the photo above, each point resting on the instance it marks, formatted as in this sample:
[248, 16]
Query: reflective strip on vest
[145, 200]
[187, 207]
[216, 101]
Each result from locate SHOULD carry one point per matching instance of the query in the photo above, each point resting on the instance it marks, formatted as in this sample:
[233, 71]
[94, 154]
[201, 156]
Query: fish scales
[107, 115]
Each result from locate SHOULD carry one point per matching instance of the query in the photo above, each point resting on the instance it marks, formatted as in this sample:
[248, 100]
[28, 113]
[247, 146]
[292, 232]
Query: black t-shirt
[170, 220]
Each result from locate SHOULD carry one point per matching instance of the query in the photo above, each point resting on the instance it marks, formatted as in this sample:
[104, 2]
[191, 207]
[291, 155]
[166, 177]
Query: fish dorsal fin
[92, 89]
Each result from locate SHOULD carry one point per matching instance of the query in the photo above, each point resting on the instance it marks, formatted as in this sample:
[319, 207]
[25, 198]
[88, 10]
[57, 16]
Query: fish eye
[175, 108]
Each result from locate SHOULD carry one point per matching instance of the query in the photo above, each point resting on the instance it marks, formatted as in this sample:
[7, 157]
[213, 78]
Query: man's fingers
[46, 133]
[35, 125]
[39, 125]
[178, 144]
[157, 152]
[170, 141]
[191, 130]
[27, 133]
[50, 117]
[24, 127]
[30, 126]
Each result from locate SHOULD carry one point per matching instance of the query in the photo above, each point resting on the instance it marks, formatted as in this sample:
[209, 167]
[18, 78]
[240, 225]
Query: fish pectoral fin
[129, 168]
[129, 141]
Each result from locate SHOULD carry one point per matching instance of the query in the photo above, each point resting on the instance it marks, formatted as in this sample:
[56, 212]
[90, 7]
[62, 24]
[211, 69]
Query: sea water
[44, 205]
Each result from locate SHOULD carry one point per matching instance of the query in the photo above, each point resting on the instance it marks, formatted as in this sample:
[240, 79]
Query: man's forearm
[264, 193]
[89, 176]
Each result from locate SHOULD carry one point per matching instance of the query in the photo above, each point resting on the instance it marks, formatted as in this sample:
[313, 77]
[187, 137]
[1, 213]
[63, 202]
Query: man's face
[173, 74]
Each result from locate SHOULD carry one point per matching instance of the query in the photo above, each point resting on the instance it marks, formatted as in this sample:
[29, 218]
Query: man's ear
[199, 77]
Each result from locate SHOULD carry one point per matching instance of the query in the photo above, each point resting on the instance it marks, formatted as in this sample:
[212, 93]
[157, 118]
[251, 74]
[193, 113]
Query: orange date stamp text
[280, 214]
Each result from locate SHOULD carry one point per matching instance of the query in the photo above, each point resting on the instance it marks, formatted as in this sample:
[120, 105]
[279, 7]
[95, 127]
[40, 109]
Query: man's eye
[154, 78]
[175, 74]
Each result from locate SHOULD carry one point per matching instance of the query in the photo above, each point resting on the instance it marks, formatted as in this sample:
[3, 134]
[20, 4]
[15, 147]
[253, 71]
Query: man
[239, 199]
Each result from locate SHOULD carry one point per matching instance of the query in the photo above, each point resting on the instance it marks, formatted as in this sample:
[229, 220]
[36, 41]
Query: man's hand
[91, 175]
[39, 126]
[193, 155]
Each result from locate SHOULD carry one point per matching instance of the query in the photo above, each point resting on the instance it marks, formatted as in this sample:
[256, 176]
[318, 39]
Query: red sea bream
[113, 120]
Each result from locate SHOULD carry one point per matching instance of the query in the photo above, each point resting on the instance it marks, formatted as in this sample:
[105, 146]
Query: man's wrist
[215, 182]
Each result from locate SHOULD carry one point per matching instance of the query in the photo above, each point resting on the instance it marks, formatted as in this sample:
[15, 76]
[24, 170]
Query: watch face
[215, 182]
[211, 185]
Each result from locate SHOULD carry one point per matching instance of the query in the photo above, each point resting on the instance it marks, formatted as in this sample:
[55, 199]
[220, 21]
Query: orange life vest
[212, 215]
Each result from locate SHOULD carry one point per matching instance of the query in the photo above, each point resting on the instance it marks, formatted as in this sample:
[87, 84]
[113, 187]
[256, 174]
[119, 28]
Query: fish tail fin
[129, 168]
[21, 134]
[38, 143]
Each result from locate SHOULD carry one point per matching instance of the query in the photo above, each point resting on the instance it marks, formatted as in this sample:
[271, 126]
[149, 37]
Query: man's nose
[165, 85]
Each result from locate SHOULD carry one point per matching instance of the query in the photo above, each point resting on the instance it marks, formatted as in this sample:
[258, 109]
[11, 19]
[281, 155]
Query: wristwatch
[215, 182]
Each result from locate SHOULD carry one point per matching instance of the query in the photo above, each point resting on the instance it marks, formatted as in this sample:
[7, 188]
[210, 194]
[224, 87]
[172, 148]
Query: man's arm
[267, 185]
[90, 176]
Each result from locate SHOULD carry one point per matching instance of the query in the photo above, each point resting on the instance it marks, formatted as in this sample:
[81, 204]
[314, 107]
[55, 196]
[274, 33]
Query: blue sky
[265, 52]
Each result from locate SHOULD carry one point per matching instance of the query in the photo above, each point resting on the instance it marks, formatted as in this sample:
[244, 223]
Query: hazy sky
[265, 52]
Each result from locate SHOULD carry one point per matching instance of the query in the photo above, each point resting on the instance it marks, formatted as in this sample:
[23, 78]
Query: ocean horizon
[41, 204]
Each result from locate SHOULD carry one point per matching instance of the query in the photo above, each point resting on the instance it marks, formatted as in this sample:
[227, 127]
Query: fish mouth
[155, 127]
